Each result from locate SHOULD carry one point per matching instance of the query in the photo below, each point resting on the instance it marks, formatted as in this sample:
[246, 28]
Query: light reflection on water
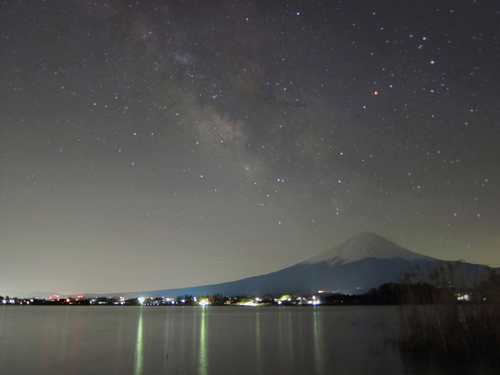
[197, 340]
[203, 361]
[258, 339]
[318, 357]
[138, 346]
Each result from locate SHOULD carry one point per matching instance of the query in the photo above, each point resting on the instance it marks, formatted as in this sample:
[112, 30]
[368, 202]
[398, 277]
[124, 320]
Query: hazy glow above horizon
[153, 146]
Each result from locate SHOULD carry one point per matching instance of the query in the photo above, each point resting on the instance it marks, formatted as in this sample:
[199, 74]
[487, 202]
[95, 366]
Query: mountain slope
[362, 262]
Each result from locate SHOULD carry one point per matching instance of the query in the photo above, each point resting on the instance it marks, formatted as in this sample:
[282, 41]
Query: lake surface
[196, 340]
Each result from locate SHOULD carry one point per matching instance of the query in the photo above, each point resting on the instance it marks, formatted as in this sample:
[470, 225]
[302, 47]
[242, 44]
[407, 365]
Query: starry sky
[160, 144]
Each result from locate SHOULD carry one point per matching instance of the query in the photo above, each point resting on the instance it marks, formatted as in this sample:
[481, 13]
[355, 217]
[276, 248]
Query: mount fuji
[365, 245]
[358, 264]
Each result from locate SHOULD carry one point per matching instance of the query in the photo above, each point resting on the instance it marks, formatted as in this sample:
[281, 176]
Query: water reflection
[202, 360]
[139, 346]
[318, 352]
[195, 340]
[74, 326]
[258, 342]
[46, 347]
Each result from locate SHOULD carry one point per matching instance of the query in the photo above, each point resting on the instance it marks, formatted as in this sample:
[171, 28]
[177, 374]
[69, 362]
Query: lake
[196, 340]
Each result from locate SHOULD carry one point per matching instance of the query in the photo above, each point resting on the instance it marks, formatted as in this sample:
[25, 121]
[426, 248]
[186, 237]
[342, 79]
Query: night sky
[161, 144]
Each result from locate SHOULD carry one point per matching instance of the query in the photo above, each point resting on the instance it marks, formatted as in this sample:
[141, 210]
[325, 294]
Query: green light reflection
[203, 361]
[139, 347]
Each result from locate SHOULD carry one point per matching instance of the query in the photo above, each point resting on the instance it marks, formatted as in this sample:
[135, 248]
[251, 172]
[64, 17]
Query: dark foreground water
[195, 340]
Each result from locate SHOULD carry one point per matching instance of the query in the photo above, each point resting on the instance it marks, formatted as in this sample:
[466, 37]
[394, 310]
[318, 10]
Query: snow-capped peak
[364, 245]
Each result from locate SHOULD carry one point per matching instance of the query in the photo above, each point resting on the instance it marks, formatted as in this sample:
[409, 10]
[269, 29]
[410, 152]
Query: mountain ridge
[364, 245]
[362, 262]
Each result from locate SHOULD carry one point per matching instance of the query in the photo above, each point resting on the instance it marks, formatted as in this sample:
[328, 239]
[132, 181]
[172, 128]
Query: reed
[445, 330]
